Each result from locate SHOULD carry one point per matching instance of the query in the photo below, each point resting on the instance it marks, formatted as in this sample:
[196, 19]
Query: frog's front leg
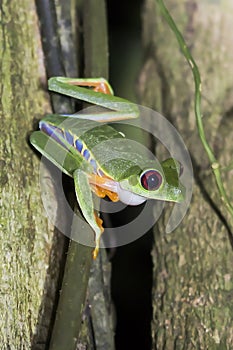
[84, 198]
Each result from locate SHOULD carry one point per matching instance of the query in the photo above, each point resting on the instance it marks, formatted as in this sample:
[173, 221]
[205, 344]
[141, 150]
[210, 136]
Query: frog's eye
[151, 180]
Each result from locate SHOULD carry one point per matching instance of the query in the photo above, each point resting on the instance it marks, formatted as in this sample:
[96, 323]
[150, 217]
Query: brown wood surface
[28, 285]
[192, 291]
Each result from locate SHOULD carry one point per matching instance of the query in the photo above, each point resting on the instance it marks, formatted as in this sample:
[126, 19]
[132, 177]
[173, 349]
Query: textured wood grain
[26, 237]
[192, 293]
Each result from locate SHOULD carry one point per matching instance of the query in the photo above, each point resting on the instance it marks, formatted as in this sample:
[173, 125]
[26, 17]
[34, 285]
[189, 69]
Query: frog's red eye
[151, 180]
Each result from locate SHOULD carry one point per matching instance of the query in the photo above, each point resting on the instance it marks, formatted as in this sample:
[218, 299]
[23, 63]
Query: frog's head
[160, 182]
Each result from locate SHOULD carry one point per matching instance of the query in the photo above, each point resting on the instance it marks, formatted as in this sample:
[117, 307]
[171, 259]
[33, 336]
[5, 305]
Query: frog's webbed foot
[103, 186]
[102, 192]
[97, 84]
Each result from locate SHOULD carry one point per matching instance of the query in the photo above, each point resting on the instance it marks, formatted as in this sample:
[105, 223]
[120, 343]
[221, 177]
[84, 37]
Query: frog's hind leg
[99, 222]
[98, 92]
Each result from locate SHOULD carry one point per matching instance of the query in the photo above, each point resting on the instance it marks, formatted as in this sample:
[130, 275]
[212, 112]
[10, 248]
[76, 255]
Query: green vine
[197, 80]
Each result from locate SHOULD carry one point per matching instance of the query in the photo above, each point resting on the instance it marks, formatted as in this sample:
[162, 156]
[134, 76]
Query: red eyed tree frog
[114, 170]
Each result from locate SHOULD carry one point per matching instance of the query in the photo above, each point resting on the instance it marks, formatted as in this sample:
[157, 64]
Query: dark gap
[131, 264]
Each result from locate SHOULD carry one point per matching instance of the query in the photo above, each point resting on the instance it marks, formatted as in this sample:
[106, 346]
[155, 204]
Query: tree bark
[192, 291]
[28, 285]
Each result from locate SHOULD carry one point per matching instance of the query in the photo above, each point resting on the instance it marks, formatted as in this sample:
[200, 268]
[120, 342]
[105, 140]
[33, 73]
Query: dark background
[131, 264]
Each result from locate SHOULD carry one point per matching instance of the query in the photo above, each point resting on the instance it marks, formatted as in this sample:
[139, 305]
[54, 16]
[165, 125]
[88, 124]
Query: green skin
[114, 155]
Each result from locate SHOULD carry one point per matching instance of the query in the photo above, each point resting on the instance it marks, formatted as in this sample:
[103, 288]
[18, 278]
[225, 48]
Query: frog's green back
[116, 156]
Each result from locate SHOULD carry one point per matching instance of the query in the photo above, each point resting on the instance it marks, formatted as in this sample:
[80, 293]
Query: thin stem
[197, 80]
